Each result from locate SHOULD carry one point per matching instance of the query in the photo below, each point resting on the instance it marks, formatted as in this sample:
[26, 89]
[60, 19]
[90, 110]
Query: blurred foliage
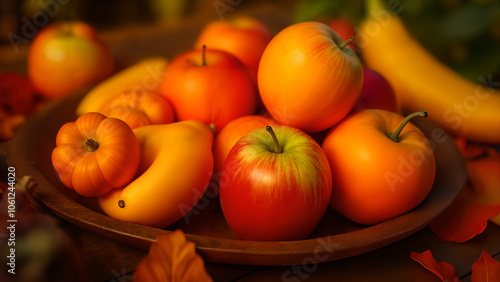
[463, 34]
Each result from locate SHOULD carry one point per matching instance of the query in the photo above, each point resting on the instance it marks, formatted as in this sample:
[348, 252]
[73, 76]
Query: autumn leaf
[485, 269]
[465, 218]
[172, 258]
[443, 270]
[479, 200]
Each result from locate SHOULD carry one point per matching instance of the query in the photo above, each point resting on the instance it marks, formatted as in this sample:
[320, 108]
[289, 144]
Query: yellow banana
[143, 76]
[422, 82]
[174, 171]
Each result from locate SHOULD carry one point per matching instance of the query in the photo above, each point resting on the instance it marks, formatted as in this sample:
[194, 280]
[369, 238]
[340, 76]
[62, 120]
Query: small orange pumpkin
[95, 154]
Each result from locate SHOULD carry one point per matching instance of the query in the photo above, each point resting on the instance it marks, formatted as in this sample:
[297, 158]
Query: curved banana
[174, 171]
[143, 76]
[421, 81]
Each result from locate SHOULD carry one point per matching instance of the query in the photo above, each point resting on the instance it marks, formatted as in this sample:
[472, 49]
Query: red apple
[279, 186]
[244, 37]
[66, 56]
[307, 77]
[345, 28]
[210, 86]
[376, 93]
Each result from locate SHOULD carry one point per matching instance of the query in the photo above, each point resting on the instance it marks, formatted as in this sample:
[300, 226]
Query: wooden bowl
[334, 238]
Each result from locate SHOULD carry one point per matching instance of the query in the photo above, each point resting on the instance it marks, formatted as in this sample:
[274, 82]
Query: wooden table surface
[108, 260]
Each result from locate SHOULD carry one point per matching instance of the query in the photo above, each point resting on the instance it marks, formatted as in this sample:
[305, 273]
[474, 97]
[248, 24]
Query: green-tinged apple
[279, 186]
[307, 77]
[67, 56]
[243, 36]
[376, 93]
[232, 132]
[210, 86]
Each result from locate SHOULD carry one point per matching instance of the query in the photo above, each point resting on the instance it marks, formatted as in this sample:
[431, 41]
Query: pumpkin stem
[394, 136]
[91, 145]
[203, 61]
[277, 147]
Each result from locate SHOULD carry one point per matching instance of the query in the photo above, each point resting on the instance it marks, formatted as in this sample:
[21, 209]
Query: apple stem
[349, 41]
[203, 61]
[277, 147]
[91, 145]
[395, 135]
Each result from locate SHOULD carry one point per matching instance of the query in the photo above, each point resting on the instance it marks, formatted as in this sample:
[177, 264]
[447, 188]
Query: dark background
[463, 34]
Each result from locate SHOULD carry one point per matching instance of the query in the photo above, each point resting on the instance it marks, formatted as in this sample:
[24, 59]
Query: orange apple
[376, 93]
[66, 56]
[210, 86]
[307, 77]
[242, 36]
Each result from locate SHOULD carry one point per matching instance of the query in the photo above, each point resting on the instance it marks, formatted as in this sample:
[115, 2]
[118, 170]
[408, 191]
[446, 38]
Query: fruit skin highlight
[306, 80]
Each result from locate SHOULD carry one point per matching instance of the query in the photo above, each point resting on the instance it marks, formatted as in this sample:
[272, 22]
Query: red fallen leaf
[172, 258]
[485, 269]
[443, 270]
[465, 218]
[478, 201]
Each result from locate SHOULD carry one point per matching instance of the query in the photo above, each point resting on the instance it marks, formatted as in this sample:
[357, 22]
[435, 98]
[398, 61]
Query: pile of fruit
[286, 125]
